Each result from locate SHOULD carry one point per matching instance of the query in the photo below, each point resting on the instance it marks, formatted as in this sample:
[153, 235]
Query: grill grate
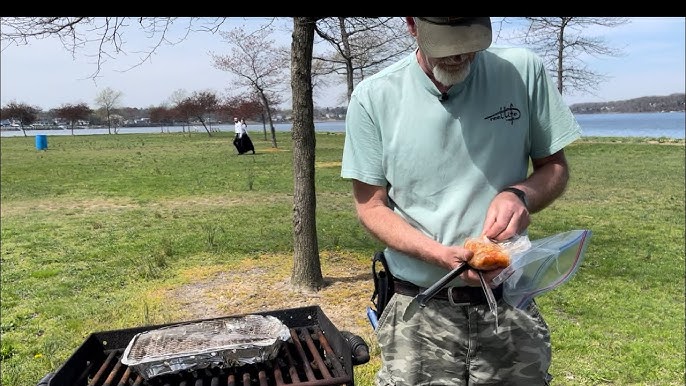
[308, 360]
[318, 354]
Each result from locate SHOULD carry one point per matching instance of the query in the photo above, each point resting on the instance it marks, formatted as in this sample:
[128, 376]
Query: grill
[318, 354]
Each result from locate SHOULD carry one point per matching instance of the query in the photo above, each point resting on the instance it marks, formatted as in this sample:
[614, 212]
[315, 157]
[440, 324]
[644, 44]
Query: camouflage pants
[457, 345]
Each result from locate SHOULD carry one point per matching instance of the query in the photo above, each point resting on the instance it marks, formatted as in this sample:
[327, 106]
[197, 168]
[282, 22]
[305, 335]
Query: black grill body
[317, 355]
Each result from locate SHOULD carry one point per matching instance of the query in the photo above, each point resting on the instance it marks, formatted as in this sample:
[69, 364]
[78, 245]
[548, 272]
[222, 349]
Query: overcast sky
[44, 74]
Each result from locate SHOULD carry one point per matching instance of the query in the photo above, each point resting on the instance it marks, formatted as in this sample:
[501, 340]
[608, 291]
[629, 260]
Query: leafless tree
[73, 113]
[258, 64]
[177, 96]
[320, 81]
[22, 112]
[361, 45]
[108, 100]
[564, 43]
[307, 272]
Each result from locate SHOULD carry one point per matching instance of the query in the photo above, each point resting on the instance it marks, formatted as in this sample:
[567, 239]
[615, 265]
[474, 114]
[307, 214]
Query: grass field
[112, 231]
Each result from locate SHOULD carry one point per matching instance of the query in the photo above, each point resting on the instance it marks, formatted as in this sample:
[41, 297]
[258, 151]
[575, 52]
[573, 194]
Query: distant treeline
[648, 104]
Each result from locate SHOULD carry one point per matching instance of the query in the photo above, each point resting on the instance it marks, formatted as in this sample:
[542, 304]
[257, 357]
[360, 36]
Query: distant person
[242, 140]
[245, 138]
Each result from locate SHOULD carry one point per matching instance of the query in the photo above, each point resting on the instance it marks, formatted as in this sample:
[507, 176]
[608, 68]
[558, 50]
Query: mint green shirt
[444, 161]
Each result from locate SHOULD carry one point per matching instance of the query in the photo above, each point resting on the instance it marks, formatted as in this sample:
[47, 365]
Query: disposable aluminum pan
[223, 342]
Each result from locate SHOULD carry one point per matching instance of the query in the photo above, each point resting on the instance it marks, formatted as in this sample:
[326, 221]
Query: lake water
[653, 125]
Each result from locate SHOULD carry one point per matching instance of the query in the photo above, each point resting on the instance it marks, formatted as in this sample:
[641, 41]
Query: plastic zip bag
[545, 265]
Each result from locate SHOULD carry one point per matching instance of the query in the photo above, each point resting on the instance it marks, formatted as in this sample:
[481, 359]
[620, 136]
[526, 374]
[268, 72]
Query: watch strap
[520, 193]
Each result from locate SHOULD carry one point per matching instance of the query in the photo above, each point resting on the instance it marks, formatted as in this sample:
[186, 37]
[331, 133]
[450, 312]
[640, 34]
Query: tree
[177, 96]
[108, 100]
[362, 45]
[307, 271]
[250, 107]
[258, 65]
[73, 113]
[162, 116]
[176, 113]
[21, 112]
[201, 105]
[562, 44]
[183, 111]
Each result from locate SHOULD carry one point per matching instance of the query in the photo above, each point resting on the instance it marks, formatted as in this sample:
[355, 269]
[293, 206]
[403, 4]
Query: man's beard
[451, 77]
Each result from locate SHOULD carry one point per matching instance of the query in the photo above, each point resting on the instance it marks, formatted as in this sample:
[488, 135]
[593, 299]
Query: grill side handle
[45, 381]
[359, 348]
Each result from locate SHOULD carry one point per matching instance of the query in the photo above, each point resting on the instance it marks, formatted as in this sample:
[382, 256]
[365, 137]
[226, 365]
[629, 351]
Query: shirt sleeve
[554, 123]
[363, 147]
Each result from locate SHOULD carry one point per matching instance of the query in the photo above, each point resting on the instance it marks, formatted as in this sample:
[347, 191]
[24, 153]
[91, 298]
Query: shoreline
[660, 127]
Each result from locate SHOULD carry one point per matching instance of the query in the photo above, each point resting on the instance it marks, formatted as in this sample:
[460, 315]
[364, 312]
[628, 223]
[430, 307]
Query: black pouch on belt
[384, 287]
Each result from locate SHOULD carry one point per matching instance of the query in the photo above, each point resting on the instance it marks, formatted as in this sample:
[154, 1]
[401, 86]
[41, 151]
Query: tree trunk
[345, 39]
[560, 64]
[264, 126]
[265, 103]
[307, 272]
[202, 121]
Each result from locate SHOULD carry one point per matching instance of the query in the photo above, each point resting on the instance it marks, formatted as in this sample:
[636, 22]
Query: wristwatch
[519, 193]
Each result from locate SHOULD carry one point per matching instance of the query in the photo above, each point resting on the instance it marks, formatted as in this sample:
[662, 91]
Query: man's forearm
[547, 182]
[396, 233]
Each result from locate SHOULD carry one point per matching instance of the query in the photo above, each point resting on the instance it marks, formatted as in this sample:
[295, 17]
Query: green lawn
[95, 220]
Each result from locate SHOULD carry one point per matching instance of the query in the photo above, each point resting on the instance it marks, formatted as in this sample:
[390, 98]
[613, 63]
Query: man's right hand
[455, 255]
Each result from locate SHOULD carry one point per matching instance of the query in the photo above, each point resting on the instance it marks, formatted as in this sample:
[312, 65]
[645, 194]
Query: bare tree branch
[259, 65]
[564, 44]
[103, 37]
[108, 100]
[361, 46]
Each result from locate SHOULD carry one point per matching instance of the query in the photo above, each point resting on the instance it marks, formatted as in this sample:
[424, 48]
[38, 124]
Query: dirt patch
[70, 205]
[66, 205]
[263, 283]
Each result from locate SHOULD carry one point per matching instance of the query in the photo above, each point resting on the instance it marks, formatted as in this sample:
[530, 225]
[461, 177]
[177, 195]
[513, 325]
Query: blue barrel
[41, 142]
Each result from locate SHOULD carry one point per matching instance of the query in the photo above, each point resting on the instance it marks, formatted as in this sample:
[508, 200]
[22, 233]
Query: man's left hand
[506, 217]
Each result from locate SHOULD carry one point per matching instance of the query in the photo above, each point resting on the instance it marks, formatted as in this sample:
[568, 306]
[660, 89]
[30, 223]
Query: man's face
[451, 70]
[447, 70]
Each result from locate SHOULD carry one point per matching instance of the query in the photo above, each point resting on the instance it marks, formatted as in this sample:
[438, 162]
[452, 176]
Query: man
[438, 147]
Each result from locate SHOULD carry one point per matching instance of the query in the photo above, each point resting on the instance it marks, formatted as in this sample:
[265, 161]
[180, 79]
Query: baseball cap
[446, 36]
